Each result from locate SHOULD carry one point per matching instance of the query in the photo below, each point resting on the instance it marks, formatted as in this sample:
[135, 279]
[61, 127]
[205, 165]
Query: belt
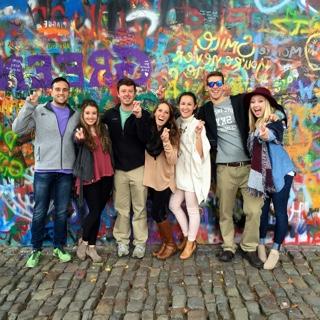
[236, 164]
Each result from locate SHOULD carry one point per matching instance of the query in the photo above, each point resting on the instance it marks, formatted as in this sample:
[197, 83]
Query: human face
[162, 115]
[60, 93]
[126, 95]
[186, 106]
[216, 92]
[258, 105]
[90, 115]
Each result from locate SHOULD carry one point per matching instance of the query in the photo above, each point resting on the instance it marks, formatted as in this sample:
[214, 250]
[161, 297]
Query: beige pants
[229, 180]
[129, 189]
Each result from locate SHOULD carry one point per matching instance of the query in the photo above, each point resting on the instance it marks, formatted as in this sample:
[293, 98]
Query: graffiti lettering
[71, 64]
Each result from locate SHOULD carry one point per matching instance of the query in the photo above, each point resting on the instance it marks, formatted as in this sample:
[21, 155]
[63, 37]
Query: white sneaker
[139, 251]
[123, 250]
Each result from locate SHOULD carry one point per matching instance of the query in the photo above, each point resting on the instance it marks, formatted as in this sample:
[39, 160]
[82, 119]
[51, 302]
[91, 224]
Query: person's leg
[91, 194]
[280, 203]
[138, 197]
[194, 223]
[227, 187]
[103, 195]
[252, 209]
[194, 215]
[175, 206]
[62, 197]
[160, 202]
[122, 205]
[264, 221]
[42, 189]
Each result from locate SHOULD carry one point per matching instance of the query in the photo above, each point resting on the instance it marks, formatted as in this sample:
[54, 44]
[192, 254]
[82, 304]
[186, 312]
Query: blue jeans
[280, 203]
[46, 184]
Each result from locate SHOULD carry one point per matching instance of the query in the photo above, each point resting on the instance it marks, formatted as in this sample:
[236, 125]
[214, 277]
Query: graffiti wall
[162, 42]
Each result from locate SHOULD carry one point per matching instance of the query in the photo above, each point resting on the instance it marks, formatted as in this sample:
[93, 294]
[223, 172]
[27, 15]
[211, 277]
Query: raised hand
[165, 137]
[161, 92]
[33, 98]
[264, 132]
[79, 135]
[199, 128]
[137, 110]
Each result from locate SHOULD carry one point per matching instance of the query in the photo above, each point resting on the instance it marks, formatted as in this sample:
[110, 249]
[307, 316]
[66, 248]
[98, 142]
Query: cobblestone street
[131, 289]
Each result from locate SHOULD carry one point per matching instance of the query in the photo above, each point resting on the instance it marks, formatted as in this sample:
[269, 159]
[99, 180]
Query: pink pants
[189, 228]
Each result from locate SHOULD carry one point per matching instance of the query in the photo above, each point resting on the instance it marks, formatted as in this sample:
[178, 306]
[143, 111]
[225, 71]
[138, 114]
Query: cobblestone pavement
[130, 289]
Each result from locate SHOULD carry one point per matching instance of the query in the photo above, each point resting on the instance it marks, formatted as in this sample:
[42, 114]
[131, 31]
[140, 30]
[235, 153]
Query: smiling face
[187, 106]
[60, 93]
[215, 88]
[90, 115]
[162, 115]
[126, 95]
[258, 105]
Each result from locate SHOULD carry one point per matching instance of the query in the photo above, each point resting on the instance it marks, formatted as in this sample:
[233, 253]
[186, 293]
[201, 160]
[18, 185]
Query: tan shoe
[182, 244]
[188, 250]
[82, 248]
[272, 260]
[92, 253]
[262, 252]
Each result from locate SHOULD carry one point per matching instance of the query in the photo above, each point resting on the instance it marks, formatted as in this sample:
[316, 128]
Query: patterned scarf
[260, 178]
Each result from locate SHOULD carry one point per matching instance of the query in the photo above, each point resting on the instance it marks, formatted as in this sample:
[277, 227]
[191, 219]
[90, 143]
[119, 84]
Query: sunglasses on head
[218, 83]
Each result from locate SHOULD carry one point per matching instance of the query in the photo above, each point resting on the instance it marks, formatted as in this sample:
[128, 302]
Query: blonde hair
[255, 122]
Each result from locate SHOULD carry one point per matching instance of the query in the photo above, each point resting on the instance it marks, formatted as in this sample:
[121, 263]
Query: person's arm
[171, 152]
[24, 123]
[198, 138]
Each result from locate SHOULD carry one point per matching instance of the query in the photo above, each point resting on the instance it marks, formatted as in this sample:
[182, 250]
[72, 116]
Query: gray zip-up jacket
[51, 150]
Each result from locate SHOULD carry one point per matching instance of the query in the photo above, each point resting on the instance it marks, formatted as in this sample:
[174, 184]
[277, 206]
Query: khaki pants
[129, 189]
[229, 180]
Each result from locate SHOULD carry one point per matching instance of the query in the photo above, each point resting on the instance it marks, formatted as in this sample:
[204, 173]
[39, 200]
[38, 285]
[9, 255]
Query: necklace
[183, 130]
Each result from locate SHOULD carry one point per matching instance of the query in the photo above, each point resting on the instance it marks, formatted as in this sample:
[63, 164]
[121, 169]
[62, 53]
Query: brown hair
[126, 82]
[171, 124]
[100, 129]
[215, 74]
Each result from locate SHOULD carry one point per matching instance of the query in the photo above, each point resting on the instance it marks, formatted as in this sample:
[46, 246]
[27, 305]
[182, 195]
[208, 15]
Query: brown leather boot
[170, 247]
[161, 227]
[188, 250]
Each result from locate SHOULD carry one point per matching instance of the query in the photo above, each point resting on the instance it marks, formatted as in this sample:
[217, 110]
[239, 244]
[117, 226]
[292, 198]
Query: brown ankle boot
[170, 246]
[161, 228]
[188, 250]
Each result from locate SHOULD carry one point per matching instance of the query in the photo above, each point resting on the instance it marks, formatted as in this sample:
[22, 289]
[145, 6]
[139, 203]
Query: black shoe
[226, 256]
[252, 257]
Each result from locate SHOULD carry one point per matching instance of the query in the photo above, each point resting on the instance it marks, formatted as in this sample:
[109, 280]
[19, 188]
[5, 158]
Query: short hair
[59, 79]
[126, 82]
[215, 74]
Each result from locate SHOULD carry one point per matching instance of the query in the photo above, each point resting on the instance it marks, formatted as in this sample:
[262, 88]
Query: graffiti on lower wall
[160, 42]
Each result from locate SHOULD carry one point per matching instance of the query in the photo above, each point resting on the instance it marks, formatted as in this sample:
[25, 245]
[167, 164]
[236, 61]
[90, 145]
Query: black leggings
[96, 195]
[160, 203]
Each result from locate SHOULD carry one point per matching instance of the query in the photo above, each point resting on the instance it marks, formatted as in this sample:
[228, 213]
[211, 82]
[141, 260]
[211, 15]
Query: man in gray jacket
[54, 123]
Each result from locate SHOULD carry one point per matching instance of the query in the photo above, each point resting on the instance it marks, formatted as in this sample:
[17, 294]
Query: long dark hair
[174, 134]
[100, 129]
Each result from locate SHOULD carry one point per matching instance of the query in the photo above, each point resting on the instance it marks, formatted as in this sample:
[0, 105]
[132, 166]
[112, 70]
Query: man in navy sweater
[125, 124]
